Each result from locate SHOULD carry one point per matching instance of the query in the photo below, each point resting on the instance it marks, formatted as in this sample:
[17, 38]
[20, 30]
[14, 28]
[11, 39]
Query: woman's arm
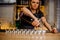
[54, 30]
[28, 13]
[45, 22]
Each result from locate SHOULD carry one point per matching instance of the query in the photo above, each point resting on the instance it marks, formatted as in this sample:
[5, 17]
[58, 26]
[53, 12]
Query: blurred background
[10, 10]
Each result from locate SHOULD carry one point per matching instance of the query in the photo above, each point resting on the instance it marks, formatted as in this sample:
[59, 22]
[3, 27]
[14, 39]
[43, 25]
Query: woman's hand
[54, 30]
[35, 23]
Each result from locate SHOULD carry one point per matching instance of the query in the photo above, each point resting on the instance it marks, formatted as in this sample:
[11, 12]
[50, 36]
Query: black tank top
[26, 20]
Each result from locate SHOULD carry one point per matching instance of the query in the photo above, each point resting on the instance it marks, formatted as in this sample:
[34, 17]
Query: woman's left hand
[54, 30]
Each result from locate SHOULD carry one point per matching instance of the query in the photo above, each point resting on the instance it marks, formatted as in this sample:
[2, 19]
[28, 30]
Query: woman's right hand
[35, 23]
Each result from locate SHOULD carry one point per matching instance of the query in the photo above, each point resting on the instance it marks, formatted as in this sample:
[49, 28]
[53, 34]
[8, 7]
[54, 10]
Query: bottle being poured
[40, 26]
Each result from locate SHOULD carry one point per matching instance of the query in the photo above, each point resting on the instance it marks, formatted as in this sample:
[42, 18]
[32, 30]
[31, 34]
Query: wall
[51, 12]
[6, 12]
[58, 14]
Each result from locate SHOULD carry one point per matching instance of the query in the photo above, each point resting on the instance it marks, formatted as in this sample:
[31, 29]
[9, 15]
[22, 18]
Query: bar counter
[16, 36]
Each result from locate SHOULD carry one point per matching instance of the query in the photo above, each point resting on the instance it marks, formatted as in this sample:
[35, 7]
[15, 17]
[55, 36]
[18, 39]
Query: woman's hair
[38, 9]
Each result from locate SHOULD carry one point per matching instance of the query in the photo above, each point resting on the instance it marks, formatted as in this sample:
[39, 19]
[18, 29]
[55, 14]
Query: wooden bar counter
[17, 36]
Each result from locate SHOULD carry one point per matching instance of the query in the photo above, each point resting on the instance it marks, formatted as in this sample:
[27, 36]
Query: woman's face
[34, 4]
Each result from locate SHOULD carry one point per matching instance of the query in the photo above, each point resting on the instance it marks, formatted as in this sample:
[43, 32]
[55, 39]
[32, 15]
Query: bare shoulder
[24, 8]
